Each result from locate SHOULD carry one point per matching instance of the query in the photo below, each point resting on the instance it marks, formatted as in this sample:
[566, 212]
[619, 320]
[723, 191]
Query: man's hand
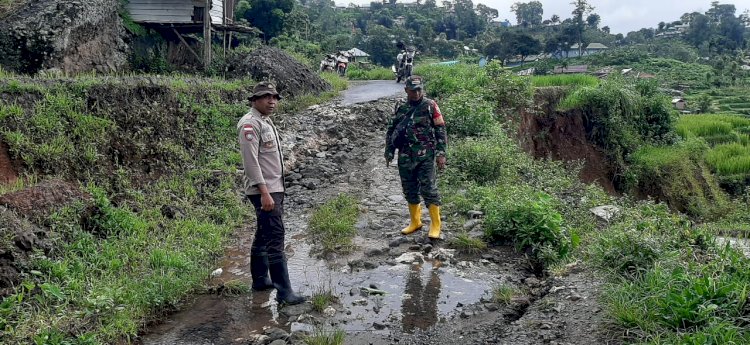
[388, 158]
[441, 163]
[266, 202]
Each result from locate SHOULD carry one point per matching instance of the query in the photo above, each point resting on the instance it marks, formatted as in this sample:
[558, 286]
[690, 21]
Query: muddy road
[392, 289]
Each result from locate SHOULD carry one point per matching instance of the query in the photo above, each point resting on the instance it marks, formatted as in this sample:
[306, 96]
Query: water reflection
[419, 307]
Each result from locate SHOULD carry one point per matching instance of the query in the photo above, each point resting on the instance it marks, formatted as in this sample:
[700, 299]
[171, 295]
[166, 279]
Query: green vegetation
[332, 224]
[667, 283]
[564, 80]
[729, 135]
[322, 298]
[466, 244]
[326, 337]
[531, 222]
[119, 257]
[504, 293]
[678, 175]
[368, 72]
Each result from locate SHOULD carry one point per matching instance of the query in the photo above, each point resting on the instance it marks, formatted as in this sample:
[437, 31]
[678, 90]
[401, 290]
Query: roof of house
[596, 46]
[571, 69]
[355, 52]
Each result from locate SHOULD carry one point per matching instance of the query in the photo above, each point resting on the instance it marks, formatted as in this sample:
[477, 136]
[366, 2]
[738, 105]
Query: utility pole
[207, 36]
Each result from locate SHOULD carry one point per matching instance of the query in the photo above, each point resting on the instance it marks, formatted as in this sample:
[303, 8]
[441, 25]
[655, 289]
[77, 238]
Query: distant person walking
[264, 185]
[418, 132]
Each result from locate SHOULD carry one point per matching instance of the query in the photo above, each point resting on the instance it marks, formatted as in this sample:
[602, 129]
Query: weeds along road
[432, 295]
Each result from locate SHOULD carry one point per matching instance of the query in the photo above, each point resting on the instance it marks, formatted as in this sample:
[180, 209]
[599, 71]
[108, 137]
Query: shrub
[368, 72]
[529, 220]
[508, 91]
[468, 115]
[485, 160]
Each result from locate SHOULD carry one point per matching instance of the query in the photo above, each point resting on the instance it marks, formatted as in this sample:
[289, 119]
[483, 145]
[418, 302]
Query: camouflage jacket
[426, 134]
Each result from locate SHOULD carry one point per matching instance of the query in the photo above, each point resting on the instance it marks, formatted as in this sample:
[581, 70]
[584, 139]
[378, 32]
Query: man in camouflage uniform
[418, 132]
[263, 181]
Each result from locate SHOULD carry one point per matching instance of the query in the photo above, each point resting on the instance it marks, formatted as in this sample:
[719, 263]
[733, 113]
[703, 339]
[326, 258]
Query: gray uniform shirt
[261, 153]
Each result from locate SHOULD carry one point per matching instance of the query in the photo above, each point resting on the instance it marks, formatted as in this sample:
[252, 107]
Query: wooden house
[189, 16]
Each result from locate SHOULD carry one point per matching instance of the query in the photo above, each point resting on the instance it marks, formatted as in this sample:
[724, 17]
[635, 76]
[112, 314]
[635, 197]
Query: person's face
[266, 104]
[414, 95]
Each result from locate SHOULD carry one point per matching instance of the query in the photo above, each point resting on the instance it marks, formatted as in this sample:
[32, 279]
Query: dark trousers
[418, 178]
[269, 236]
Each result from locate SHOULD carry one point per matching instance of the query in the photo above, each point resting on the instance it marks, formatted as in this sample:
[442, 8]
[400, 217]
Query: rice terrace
[596, 186]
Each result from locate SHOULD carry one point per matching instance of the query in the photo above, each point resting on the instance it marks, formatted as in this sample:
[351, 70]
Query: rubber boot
[434, 222]
[280, 278]
[259, 272]
[415, 223]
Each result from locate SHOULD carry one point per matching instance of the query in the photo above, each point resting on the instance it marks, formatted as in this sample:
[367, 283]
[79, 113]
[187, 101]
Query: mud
[8, 172]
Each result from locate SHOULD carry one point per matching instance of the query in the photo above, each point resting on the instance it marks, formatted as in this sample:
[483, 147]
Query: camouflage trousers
[418, 178]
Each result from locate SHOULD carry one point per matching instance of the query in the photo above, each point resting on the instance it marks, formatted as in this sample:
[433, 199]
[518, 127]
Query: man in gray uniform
[264, 186]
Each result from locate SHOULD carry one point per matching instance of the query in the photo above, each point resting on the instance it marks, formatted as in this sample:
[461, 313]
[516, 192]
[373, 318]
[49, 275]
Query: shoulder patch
[248, 132]
[437, 116]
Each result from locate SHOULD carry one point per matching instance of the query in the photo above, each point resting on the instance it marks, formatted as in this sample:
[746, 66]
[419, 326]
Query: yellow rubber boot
[415, 223]
[434, 221]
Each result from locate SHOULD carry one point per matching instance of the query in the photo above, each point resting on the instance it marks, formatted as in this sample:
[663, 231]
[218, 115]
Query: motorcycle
[341, 64]
[328, 64]
[405, 64]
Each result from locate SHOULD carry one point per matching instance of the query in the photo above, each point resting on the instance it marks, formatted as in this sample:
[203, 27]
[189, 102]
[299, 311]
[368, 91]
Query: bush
[468, 115]
[368, 72]
[529, 220]
[486, 160]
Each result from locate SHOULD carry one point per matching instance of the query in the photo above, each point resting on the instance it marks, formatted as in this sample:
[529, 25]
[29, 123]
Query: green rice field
[728, 137]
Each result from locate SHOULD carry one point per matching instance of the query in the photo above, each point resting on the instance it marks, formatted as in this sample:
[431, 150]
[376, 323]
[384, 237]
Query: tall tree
[529, 13]
[580, 9]
[487, 13]
[267, 15]
[593, 20]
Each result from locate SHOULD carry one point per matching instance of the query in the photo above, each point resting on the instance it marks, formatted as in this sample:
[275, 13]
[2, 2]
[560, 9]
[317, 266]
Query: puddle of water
[416, 297]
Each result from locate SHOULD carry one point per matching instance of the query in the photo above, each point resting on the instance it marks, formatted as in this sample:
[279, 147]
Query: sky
[622, 16]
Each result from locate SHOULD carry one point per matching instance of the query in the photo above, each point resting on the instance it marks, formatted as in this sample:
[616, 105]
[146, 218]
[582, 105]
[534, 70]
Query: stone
[606, 212]
[471, 223]
[411, 257]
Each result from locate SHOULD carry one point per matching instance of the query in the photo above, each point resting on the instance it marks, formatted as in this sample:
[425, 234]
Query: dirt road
[433, 295]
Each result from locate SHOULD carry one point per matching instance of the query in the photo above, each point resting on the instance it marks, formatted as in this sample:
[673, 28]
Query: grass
[116, 264]
[356, 72]
[326, 337]
[504, 293]
[729, 159]
[705, 125]
[564, 80]
[321, 299]
[332, 224]
[469, 245]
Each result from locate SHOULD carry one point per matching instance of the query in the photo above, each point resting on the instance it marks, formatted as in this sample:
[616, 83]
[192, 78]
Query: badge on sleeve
[248, 132]
[437, 117]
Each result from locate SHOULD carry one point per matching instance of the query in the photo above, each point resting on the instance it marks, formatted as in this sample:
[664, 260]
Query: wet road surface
[364, 91]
